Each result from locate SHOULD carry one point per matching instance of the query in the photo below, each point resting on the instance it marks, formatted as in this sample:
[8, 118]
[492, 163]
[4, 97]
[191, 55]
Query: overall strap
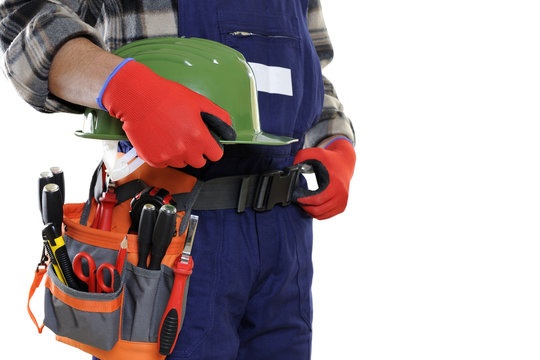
[96, 187]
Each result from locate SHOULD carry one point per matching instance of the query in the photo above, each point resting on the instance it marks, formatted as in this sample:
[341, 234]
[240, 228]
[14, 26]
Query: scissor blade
[186, 253]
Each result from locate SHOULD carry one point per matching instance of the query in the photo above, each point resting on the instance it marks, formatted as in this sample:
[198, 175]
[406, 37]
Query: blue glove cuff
[98, 100]
[340, 137]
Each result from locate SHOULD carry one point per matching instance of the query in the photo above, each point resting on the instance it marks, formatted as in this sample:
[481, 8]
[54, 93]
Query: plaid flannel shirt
[32, 31]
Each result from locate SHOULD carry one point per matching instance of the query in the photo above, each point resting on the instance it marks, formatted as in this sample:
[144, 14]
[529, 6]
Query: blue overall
[250, 292]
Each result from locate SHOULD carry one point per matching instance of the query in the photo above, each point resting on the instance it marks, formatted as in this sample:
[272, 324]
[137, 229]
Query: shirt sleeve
[30, 34]
[333, 120]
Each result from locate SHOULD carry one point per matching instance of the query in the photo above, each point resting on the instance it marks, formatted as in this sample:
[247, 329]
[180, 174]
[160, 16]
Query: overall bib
[250, 292]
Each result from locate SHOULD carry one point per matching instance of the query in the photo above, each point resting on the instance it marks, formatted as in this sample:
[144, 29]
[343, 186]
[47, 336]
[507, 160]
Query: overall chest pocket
[272, 46]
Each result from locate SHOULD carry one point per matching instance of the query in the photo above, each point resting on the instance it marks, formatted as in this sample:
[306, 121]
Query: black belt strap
[259, 192]
[225, 193]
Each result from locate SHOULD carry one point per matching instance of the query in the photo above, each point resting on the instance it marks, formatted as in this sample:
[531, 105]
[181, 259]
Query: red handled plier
[172, 318]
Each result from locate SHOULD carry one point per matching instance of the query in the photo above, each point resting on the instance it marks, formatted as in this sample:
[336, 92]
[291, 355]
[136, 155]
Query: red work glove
[334, 167]
[167, 123]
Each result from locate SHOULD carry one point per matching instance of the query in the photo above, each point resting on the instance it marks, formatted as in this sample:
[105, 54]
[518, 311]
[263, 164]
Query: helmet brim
[260, 138]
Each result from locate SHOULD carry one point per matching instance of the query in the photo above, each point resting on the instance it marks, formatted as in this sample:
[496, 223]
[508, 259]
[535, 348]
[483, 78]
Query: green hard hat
[209, 68]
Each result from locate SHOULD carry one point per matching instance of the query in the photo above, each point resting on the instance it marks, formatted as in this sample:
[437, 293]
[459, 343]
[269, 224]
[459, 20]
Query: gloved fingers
[329, 214]
[213, 150]
[207, 106]
[158, 159]
[216, 138]
[217, 125]
[179, 164]
[317, 199]
[155, 164]
[315, 214]
[173, 162]
[325, 210]
[315, 210]
[195, 160]
[301, 193]
[337, 207]
[152, 159]
[323, 181]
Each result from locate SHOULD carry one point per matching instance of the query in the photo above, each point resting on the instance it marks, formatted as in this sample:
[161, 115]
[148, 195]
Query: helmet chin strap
[119, 168]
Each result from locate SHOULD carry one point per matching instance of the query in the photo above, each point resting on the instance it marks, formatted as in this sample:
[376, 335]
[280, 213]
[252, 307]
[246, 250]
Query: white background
[438, 253]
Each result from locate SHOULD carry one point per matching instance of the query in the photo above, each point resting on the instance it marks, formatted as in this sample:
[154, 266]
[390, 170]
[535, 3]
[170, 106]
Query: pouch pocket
[89, 318]
[145, 299]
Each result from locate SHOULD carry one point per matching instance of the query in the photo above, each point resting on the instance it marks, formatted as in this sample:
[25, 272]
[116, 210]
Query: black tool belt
[261, 192]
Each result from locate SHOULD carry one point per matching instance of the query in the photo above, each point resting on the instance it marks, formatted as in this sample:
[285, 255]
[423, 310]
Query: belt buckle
[276, 187]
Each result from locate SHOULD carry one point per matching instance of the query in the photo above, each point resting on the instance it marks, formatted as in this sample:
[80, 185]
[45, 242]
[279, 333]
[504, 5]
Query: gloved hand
[167, 123]
[334, 167]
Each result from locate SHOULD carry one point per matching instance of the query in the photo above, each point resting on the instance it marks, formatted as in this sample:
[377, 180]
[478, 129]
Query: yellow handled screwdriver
[52, 213]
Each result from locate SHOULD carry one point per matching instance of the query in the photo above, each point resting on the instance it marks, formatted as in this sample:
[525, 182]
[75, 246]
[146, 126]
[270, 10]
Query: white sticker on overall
[272, 79]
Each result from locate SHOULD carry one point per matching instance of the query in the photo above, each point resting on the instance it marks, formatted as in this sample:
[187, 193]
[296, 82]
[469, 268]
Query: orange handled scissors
[102, 280]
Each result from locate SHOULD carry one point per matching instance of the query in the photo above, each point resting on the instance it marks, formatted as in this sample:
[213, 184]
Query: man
[250, 295]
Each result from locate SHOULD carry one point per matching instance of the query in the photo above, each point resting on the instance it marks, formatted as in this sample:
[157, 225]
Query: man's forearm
[79, 70]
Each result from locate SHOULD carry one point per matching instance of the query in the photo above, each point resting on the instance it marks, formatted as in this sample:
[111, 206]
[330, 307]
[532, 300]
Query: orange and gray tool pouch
[125, 323]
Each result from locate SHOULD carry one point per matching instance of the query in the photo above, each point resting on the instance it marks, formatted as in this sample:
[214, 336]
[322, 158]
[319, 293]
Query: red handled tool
[121, 258]
[86, 272]
[107, 202]
[104, 279]
[107, 278]
[172, 318]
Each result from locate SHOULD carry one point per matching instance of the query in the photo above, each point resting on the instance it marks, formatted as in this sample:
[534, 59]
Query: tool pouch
[119, 325]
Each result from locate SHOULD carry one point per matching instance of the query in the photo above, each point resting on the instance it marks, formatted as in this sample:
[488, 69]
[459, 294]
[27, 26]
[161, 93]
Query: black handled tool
[45, 178]
[58, 179]
[146, 229]
[51, 205]
[163, 233]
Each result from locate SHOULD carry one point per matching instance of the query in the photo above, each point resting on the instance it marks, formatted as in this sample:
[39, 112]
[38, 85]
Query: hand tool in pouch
[150, 195]
[108, 278]
[45, 178]
[121, 258]
[51, 205]
[107, 202]
[54, 243]
[105, 279]
[172, 318]
[146, 229]
[58, 179]
[164, 230]
[52, 213]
